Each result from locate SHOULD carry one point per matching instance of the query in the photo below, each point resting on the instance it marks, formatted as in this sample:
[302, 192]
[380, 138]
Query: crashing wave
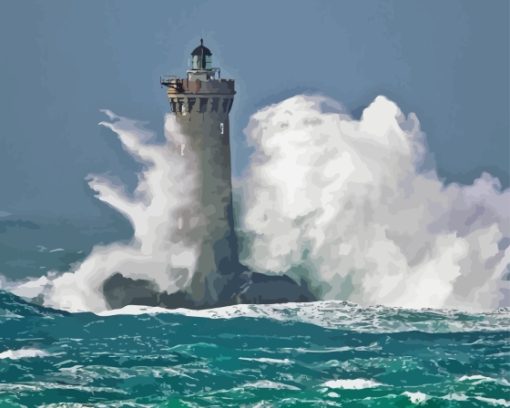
[350, 209]
[347, 316]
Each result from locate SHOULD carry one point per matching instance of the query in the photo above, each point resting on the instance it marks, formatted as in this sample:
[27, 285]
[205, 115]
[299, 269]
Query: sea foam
[22, 353]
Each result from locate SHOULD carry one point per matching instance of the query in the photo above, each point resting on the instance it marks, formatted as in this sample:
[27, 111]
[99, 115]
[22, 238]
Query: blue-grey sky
[63, 61]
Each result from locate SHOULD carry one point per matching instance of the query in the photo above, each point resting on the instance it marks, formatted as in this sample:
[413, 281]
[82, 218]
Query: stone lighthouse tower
[201, 103]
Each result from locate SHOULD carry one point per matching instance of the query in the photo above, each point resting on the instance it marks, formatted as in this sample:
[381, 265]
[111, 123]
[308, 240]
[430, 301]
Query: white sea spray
[355, 208]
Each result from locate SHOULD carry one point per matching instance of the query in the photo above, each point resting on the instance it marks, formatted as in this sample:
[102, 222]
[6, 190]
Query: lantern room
[201, 57]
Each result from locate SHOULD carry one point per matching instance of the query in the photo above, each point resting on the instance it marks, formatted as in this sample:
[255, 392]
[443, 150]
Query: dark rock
[264, 289]
[246, 287]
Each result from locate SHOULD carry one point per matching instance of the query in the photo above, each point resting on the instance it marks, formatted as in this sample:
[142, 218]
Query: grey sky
[62, 61]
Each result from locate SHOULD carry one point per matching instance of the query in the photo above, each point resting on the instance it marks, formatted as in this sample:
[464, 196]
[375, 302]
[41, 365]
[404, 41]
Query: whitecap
[493, 401]
[22, 353]
[416, 397]
[262, 404]
[266, 384]
[326, 350]
[478, 379]
[456, 397]
[267, 360]
[353, 384]
[135, 310]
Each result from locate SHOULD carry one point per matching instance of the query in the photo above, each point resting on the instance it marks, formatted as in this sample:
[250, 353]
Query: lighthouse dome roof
[201, 50]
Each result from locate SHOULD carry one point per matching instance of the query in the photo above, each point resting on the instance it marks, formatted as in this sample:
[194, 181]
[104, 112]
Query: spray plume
[160, 250]
[354, 208]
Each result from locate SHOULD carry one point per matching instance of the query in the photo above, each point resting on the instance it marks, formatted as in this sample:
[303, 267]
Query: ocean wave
[267, 360]
[326, 350]
[479, 379]
[266, 384]
[22, 353]
[494, 401]
[345, 315]
[40, 386]
[12, 306]
[352, 384]
[10, 315]
[417, 397]
[456, 397]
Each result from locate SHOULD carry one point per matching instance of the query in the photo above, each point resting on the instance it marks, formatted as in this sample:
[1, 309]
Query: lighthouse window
[181, 105]
[195, 62]
[203, 105]
[222, 128]
[191, 103]
[208, 61]
[215, 103]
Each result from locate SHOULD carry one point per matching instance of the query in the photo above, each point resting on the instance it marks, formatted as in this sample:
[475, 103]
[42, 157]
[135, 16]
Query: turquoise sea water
[298, 355]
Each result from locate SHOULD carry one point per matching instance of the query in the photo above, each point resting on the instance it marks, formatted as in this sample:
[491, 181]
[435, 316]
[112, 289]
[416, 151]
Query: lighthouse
[201, 102]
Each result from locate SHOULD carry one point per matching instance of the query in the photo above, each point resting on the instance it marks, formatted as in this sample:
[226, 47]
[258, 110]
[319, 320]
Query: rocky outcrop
[246, 287]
